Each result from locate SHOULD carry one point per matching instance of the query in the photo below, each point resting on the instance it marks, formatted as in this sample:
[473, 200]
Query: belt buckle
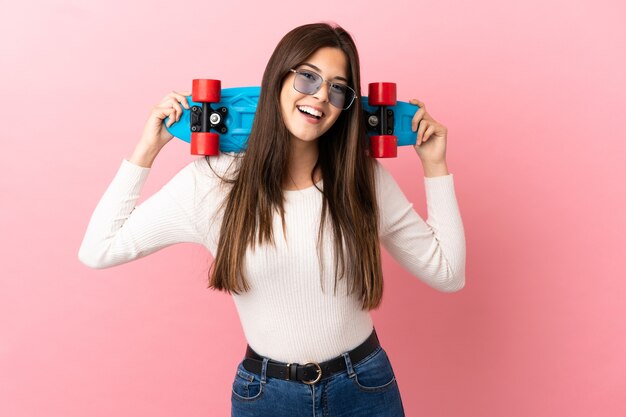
[319, 373]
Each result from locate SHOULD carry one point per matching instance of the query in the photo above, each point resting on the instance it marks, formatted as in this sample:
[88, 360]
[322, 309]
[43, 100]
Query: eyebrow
[317, 69]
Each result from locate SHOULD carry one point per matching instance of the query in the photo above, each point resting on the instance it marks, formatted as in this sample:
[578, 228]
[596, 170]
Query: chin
[306, 133]
[304, 139]
[307, 136]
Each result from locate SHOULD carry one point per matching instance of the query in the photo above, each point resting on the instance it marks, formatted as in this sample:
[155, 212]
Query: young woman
[295, 225]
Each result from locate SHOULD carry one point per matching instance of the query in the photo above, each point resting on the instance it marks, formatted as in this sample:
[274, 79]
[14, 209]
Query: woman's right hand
[155, 135]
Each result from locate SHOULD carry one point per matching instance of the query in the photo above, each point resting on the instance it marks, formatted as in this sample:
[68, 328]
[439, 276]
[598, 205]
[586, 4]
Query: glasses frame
[330, 84]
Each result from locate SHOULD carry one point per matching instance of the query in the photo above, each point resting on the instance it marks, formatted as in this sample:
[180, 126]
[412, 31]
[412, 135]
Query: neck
[303, 156]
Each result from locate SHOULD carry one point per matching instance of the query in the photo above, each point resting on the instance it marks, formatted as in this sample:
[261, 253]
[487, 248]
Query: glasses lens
[307, 82]
[341, 96]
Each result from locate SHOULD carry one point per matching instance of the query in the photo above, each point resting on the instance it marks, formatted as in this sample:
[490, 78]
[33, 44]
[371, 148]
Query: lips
[311, 111]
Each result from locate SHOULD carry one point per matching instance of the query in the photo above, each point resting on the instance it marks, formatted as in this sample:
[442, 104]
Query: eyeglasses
[309, 82]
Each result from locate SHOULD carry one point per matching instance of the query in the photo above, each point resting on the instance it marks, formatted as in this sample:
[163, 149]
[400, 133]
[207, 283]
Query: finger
[420, 104]
[420, 131]
[176, 105]
[185, 101]
[431, 129]
[179, 97]
[417, 118]
[182, 98]
[161, 112]
[165, 113]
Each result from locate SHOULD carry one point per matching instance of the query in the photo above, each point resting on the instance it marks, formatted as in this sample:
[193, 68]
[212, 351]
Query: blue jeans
[366, 388]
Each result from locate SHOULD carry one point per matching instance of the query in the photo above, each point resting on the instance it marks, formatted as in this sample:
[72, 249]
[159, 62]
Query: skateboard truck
[380, 122]
[384, 144]
[205, 118]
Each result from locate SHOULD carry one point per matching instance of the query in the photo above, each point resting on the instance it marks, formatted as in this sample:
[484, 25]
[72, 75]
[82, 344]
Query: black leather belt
[311, 372]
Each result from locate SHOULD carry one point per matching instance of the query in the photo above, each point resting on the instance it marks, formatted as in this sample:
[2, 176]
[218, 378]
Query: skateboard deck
[234, 114]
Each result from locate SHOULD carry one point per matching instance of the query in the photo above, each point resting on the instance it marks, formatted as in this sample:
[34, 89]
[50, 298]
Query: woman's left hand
[431, 136]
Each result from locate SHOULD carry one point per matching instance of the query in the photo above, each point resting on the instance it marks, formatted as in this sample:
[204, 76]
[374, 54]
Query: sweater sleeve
[431, 250]
[119, 231]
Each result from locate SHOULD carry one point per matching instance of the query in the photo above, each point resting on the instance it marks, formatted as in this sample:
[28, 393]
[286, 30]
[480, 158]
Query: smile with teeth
[310, 110]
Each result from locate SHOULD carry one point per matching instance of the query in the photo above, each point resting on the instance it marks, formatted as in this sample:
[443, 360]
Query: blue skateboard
[221, 119]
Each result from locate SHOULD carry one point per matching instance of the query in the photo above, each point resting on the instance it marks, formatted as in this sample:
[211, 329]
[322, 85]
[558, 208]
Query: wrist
[144, 155]
[435, 169]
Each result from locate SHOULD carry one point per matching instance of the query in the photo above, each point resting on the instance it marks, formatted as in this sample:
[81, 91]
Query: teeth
[310, 110]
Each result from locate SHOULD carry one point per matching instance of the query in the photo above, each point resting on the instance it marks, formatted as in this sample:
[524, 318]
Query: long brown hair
[347, 171]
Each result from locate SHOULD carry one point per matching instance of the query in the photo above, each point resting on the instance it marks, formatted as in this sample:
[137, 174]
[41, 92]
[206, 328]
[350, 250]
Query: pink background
[533, 95]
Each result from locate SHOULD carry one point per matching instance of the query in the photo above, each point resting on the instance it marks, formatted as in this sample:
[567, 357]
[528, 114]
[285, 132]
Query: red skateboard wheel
[382, 94]
[206, 91]
[205, 143]
[384, 146]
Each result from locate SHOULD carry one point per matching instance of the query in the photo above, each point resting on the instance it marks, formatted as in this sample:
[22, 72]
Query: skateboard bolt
[215, 118]
[373, 120]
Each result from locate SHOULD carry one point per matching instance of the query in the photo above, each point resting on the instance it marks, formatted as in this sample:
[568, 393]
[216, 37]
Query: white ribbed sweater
[286, 315]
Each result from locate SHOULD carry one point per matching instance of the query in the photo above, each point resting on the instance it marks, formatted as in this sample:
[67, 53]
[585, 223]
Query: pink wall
[533, 95]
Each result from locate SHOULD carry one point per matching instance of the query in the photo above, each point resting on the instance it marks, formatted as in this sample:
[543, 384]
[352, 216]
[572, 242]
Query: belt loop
[264, 370]
[346, 358]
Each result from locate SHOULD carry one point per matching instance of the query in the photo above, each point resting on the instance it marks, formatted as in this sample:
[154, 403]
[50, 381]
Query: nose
[323, 92]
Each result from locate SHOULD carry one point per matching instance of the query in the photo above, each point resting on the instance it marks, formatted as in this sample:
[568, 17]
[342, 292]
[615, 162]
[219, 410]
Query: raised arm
[431, 250]
[119, 231]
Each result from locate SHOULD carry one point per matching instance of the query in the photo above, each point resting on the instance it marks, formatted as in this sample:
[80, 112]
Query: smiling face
[332, 65]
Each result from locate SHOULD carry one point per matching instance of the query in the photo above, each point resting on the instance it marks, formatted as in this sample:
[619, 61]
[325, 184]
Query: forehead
[331, 63]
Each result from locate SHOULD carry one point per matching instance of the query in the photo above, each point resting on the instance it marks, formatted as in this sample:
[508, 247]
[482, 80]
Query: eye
[309, 75]
[339, 88]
